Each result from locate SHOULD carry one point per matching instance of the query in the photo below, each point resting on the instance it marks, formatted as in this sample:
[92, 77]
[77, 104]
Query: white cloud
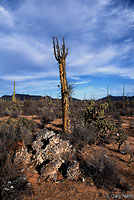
[32, 75]
[28, 47]
[39, 86]
[16, 78]
[99, 38]
[124, 72]
[6, 18]
[81, 82]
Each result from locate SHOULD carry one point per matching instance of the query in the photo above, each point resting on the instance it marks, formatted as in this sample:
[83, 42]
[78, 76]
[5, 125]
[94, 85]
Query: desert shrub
[102, 169]
[3, 107]
[81, 136]
[58, 112]
[7, 133]
[14, 114]
[124, 112]
[27, 124]
[7, 112]
[129, 149]
[30, 107]
[38, 107]
[12, 183]
[116, 116]
[131, 112]
[48, 116]
[13, 130]
[9, 108]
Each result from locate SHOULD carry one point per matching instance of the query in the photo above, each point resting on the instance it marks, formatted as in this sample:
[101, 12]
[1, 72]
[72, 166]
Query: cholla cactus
[96, 116]
[121, 138]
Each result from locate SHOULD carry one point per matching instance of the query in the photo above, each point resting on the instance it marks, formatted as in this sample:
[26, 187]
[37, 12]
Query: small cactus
[121, 138]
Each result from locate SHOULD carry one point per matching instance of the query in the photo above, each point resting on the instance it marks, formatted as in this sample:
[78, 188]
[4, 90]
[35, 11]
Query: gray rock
[52, 154]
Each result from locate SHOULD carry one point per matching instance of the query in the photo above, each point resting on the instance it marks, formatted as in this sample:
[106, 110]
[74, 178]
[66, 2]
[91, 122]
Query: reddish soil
[55, 125]
[76, 190]
[128, 125]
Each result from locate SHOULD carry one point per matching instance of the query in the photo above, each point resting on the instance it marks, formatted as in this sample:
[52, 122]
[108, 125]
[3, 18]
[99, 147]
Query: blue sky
[98, 33]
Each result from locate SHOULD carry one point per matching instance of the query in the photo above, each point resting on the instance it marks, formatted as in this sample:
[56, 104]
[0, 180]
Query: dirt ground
[77, 190]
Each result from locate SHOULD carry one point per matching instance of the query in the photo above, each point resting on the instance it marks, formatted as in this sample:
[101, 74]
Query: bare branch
[59, 53]
[63, 48]
[58, 49]
[66, 53]
[54, 49]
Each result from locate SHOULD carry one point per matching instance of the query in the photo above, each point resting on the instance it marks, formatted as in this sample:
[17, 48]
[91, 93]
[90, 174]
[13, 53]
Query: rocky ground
[52, 172]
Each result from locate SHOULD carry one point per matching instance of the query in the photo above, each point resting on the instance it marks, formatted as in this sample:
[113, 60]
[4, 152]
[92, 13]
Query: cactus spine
[13, 96]
[60, 55]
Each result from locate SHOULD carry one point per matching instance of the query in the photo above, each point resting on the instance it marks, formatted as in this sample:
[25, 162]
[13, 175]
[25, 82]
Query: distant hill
[22, 97]
[28, 97]
[38, 97]
[117, 98]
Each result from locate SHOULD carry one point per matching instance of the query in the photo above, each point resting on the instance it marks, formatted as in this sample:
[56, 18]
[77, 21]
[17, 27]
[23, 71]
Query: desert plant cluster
[100, 132]
[93, 124]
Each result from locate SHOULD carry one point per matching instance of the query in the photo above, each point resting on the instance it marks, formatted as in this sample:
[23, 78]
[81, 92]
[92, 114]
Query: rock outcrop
[50, 156]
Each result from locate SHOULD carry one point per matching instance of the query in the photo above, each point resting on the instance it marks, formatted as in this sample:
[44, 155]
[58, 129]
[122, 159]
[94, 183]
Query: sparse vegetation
[102, 168]
[93, 124]
[11, 132]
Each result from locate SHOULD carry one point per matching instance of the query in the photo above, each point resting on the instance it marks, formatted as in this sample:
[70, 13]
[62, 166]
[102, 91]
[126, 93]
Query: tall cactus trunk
[61, 57]
[13, 96]
[123, 97]
[65, 100]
